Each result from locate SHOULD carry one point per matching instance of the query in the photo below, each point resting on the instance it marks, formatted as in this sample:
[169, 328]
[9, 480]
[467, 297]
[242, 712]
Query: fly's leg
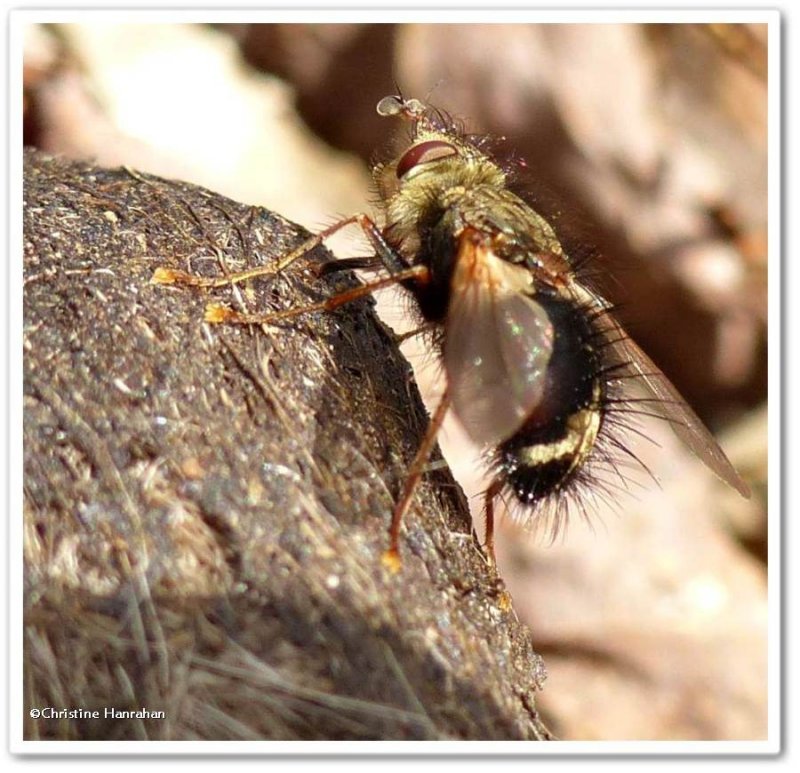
[490, 495]
[217, 313]
[488, 511]
[391, 558]
[401, 338]
[388, 256]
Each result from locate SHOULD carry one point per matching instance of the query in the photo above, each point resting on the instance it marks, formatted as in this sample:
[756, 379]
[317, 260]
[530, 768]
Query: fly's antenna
[408, 109]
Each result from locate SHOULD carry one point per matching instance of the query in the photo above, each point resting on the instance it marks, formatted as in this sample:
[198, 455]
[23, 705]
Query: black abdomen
[544, 455]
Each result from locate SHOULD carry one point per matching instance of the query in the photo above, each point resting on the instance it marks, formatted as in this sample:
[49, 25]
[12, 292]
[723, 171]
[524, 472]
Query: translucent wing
[497, 348]
[636, 366]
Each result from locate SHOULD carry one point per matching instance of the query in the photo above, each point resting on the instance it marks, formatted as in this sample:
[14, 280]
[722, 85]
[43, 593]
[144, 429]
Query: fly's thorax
[425, 181]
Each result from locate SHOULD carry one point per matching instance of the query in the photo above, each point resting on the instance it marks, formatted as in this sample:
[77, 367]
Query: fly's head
[439, 163]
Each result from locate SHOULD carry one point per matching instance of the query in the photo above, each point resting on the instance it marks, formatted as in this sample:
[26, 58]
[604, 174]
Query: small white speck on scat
[332, 581]
[122, 386]
[271, 470]
[161, 421]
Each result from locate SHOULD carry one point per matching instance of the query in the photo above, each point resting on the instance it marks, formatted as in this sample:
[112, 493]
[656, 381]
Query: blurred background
[646, 145]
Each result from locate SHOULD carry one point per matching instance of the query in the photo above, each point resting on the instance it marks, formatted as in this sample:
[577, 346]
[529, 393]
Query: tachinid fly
[538, 371]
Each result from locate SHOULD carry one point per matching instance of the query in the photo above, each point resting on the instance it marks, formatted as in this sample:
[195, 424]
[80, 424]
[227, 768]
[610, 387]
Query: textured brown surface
[649, 143]
[205, 508]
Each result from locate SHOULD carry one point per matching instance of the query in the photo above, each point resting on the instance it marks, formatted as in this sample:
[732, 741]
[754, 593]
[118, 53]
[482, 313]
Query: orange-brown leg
[503, 596]
[218, 313]
[391, 558]
[488, 510]
[164, 275]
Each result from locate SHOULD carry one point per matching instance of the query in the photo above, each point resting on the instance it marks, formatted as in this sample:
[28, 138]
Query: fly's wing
[636, 366]
[497, 348]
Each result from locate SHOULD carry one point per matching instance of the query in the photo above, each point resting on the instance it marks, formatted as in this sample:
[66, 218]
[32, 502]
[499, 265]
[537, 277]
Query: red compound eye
[425, 152]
